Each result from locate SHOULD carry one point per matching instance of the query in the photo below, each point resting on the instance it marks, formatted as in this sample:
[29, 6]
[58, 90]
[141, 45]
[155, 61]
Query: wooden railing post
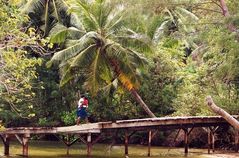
[89, 144]
[208, 140]
[67, 144]
[236, 140]
[186, 133]
[126, 142]
[149, 143]
[213, 140]
[25, 142]
[6, 142]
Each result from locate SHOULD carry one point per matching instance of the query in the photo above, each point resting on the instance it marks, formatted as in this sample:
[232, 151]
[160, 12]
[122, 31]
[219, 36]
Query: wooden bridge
[151, 125]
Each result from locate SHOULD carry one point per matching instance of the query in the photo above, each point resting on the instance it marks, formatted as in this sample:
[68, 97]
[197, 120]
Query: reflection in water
[41, 149]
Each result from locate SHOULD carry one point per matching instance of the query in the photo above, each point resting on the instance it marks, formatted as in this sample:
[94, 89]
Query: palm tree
[105, 52]
[47, 16]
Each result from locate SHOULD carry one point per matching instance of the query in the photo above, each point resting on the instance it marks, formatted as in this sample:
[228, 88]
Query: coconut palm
[105, 52]
[47, 16]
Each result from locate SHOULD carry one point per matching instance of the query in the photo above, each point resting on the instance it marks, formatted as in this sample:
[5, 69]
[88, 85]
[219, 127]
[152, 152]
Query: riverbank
[222, 155]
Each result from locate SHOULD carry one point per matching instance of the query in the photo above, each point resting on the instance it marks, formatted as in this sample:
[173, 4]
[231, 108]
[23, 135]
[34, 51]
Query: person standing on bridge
[82, 109]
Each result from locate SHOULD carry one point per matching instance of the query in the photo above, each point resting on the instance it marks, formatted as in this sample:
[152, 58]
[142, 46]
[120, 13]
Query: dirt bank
[222, 155]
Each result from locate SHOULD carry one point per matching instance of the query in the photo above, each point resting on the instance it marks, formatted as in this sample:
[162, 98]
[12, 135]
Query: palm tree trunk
[142, 103]
[132, 91]
[222, 112]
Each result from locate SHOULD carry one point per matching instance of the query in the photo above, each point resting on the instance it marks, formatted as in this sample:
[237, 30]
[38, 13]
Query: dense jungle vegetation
[169, 53]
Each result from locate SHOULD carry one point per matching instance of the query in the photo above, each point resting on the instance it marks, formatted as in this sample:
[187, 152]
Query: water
[52, 149]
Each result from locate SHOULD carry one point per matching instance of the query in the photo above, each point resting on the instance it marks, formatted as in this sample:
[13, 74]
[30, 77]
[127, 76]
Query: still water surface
[41, 149]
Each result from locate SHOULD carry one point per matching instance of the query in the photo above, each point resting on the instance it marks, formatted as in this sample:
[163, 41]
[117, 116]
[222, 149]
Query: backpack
[85, 102]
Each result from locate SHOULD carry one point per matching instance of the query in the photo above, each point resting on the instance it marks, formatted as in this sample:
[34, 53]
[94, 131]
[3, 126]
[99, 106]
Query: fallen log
[230, 119]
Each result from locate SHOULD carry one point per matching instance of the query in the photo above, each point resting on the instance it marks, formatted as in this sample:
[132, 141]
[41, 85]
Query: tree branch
[230, 119]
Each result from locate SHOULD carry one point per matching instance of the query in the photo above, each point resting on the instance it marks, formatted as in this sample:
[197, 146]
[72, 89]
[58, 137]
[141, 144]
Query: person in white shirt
[81, 110]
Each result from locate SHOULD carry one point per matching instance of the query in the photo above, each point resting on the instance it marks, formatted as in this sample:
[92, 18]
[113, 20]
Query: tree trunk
[142, 103]
[117, 71]
[226, 13]
[222, 112]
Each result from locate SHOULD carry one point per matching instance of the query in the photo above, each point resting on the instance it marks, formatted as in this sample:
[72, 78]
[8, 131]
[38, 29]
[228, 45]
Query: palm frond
[137, 58]
[93, 79]
[160, 31]
[61, 12]
[76, 22]
[75, 33]
[115, 51]
[153, 25]
[69, 43]
[114, 21]
[189, 15]
[60, 33]
[85, 58]
[55, 8]
[33, 6]
[83, 10]
[136, 41]
[46, 17]
[66, 74]
[108, 89]
[70, 52]
[128, 62]
[34, 9]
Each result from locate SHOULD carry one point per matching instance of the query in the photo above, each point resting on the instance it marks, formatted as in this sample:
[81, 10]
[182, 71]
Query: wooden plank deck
[147, 123]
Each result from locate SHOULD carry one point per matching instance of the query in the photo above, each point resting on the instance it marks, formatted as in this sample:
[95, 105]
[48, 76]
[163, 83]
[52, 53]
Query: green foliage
[102, 47]
[18, 70]
[118, 106]
[69, 118]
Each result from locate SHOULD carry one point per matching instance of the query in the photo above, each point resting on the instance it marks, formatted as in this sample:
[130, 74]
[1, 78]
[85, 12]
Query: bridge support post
[89, 144]
[6, 142]
[25, 142]
[208, 140]
[211, 138]
[126, 142]
[236, 140]
[213, 141]
[149, 143]
[67, 144]
[186, 133]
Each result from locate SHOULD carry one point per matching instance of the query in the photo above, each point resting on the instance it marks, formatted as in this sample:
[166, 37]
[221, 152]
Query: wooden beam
[190, 130]
[213, 141]
[126, 142]
[212, 135]
[89, 145]
[83, 127]
[209, 140]
[18, 138]
[82, 139]
[236, 133]
[25, 143]
[186, 133]
[67, 142]
[164, 122]
[149, 143]
[29, 130]
[6, 142]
